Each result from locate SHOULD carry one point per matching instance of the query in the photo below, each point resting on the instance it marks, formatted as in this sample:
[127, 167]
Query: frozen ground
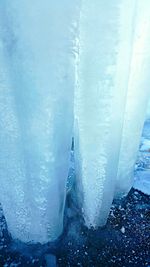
[123, 242]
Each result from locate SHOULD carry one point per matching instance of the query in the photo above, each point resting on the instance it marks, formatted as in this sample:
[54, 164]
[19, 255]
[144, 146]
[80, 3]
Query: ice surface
[142, 171]
[142, 181]
[105, 38]
[60, 63]
[145, 145]
[137, 99]
[37, 43]
[148, 111]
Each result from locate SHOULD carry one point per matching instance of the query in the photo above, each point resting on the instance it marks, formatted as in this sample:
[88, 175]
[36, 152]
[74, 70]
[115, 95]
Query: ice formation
[142, 170]
[62, 63]
[36, 114]
[137, 98]
[110, 101]
[106, 44]
[142, 182]
[148, 111]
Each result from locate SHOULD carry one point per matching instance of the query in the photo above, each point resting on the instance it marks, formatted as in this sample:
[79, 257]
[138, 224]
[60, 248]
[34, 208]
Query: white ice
[103, 66]
[62, 64]
[111, 96]
[37, 41]
[137, 98]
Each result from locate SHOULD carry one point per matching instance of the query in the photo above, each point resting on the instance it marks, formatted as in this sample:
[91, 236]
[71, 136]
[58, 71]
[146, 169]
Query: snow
[123, 230]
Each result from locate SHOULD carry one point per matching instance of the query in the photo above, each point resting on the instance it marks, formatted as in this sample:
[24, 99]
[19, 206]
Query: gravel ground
[123, 242]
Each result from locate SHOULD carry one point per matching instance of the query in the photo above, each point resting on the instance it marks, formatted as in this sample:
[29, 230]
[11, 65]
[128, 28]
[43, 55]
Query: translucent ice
[36, 114]
[148, 111]
[62, 64]
[103, 66]
[137, 98]
[142, 182]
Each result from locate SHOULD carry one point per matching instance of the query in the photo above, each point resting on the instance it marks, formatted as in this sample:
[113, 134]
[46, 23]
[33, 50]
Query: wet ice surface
[123, 242]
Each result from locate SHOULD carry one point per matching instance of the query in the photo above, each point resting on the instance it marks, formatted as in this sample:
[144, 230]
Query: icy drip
[103, 72]
[36, 119]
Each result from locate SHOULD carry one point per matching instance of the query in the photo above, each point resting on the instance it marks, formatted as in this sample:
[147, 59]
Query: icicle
[36, 117]
[106, 31]
[137, 99]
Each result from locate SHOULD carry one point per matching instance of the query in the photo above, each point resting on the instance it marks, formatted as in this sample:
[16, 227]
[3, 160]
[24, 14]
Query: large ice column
[137, 99]
[105, 47]
[37, 40]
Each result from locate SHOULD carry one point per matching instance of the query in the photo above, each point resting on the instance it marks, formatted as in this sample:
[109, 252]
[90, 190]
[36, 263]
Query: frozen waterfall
[69, 68]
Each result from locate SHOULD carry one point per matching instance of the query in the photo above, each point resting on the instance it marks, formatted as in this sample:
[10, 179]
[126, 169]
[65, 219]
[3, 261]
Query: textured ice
[145, 146]
[137, 98]
[142, 181]
[36, 114]
[142, 171]
[148, 111]
[103, 66]
[62, 64]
